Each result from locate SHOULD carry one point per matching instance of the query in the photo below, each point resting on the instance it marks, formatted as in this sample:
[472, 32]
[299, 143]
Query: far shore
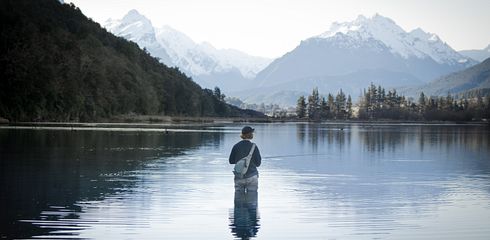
[168, 122]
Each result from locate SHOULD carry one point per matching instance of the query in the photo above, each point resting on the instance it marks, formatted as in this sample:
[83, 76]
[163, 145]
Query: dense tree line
[58, 65]
[451, 108]
[315, 107]
[377, 103]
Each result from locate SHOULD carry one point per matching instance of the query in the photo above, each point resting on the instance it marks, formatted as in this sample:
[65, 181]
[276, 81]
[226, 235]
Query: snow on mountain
[139, 29]
[248, 66]
[184, 52]
[416, 43]
[201, 61]
[203, 58]
[134, 27]
[351, 55]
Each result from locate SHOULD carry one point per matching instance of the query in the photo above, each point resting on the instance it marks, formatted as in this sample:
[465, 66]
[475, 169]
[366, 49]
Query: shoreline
[163, 122]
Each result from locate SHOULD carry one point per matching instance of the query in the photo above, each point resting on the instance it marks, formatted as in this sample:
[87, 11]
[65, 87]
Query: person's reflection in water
[245, 217]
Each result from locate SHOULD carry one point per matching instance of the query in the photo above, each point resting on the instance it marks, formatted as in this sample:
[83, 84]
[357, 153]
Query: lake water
[317, 181]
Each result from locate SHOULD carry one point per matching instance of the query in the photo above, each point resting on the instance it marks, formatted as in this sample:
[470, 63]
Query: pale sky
[270, 28]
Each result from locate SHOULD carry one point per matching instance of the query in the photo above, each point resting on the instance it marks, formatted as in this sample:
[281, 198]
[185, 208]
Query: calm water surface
[317, 181]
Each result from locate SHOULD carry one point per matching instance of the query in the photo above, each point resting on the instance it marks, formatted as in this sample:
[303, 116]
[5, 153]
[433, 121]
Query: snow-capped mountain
[207, 65]
[477, 54]
[204, 58]
[351, 55]
[416, 43]
[139, 29]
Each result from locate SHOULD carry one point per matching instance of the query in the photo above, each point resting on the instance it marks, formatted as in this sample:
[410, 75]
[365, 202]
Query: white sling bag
[241, 166]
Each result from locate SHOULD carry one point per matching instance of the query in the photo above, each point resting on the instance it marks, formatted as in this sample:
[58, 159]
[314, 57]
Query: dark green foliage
[374, 105]
[58, 65]
[377, 104]
[340, 105]
[313, 107]
[321, 109]
[301, 107]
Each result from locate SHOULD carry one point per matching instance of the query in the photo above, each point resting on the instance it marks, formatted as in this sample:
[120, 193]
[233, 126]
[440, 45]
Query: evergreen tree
[422, 103]
[331, 106]
[301, 107]
[314, 105]
[218, 94]
[448, 103]
[340, 102]
[324, 109]
[486, 111]
[381, 97]
[349, 107]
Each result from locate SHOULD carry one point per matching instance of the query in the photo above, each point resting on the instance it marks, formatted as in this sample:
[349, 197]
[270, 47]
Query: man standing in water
[249, 182]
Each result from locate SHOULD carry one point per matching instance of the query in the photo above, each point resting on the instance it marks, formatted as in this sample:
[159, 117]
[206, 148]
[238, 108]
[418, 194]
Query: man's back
[241, 150]
[250, 181]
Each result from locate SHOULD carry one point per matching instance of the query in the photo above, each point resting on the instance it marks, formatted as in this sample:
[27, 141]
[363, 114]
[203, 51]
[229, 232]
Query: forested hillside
[58, 65]
[475, 78]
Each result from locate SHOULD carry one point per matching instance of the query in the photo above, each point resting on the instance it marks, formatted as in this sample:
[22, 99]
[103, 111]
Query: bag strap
[252, 150]
[249, 156]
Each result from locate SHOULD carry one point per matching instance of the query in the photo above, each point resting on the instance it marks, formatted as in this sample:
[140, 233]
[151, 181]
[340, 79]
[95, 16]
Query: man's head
[247, 132]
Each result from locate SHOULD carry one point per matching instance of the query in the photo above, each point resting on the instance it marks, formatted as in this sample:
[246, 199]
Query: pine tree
[331, 106]
[314, 105]
[448, 104]
[301, 107]
[381, 97]
[340, 104]
[324, 109]
[218, 94]
[349, 107]
[422, 102]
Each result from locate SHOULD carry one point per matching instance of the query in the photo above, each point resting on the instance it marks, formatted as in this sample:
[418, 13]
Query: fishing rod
[297, 155]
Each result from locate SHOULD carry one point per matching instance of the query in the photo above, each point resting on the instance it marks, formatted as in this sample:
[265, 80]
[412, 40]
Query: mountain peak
[423, 35]
[417, 43]
[375, 19]
[419, 32]
[363, 27]
[174, 48]
[134, 16]
[361, 18]
[378, 17]
[135, 27]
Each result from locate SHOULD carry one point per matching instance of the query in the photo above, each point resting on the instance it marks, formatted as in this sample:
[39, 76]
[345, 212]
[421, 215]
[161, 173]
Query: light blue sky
[271, 28]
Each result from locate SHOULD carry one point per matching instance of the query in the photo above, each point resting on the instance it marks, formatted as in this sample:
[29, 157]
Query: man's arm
[256, 157]
[231, 159]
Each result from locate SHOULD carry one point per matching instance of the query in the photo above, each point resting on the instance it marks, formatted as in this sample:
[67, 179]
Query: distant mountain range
[349, 56]
[230, 69]
[479, 55]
